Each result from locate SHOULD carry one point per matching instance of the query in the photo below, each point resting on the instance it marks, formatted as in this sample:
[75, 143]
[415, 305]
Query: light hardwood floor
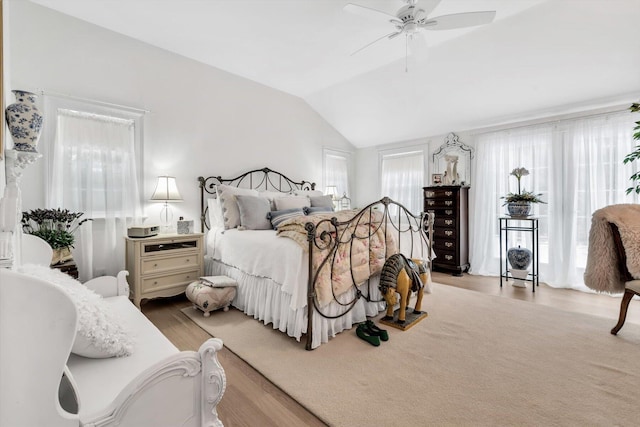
[251, 399]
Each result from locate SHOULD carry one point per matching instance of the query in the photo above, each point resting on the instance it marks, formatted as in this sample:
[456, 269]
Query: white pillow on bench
[101, 333]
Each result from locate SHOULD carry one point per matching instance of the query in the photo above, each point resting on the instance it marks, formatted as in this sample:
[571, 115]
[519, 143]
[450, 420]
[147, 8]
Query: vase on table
[24, 121]
[520, 260]
[519, 208]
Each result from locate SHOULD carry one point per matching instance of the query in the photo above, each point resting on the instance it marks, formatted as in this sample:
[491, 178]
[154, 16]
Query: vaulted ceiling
[538, 57]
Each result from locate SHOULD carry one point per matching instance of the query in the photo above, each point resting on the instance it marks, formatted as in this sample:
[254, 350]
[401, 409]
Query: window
[336, 171]
[403, 178]
[575, 164]
[94, 160]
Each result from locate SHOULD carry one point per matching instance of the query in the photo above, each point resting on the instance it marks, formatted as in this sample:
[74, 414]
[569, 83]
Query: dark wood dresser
[451, 228]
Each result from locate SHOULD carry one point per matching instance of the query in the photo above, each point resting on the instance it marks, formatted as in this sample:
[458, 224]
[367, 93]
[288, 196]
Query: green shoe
[374, 330]
[362, 333]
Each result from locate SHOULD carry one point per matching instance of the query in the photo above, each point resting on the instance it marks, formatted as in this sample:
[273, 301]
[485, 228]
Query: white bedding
[284, 262]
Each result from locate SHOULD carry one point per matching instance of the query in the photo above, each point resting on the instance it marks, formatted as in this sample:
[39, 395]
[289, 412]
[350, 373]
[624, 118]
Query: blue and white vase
[519, 258]
[24, 121]
[519, 208]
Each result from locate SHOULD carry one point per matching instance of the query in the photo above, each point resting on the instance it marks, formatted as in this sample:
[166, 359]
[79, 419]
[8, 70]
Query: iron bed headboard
[265, 179]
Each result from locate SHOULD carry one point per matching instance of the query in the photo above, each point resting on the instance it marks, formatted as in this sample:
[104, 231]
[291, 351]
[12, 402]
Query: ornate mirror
[452, 162]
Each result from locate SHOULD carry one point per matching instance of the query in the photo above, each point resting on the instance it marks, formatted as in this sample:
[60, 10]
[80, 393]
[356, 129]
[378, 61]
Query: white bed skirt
[263, 299]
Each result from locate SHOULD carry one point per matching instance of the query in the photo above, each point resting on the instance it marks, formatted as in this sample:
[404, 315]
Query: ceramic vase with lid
[24, 121]
[519, 258]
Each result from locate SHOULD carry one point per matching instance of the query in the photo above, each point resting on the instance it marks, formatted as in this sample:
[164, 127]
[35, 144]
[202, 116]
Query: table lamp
[166, 191]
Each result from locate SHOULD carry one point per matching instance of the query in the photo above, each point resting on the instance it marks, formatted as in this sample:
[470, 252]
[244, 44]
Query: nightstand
[163, 265]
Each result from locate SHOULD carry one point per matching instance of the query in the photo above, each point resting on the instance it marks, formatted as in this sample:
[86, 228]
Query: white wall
[202, 120]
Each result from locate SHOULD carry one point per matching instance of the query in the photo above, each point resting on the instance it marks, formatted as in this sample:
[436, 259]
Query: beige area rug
[476, 360]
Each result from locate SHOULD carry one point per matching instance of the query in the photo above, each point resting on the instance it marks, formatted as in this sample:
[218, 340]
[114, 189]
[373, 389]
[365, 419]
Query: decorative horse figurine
[404, 276]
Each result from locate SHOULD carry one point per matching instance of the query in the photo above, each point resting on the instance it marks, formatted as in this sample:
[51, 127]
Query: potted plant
[519, 204]
[635, 154]
[56, 227]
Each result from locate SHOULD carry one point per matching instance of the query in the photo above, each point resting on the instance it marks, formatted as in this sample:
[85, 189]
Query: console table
[527, 225]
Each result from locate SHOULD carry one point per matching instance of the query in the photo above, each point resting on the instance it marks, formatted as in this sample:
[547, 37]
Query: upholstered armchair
[631, 286]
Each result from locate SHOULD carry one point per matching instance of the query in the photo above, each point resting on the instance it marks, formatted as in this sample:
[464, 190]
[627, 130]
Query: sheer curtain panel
[94, 170]
[403, 178]
[575, 164]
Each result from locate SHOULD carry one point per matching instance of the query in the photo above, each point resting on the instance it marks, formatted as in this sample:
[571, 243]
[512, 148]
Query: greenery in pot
[635, 154]
[522, 196]
[55, 226]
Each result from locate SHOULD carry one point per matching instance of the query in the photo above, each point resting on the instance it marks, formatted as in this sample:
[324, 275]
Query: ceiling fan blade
[367, 12]
[390, 36]
[458, 20]
[429, 6]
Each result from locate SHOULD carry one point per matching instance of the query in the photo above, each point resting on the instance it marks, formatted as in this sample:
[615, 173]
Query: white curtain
[336, 172]
[94, 171]
[575, 164]
[403, 179]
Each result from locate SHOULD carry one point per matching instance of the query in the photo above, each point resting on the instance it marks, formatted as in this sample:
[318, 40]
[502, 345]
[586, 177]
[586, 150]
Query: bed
[317, 273]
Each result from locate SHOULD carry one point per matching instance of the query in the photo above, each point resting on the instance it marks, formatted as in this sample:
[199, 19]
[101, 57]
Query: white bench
[156, 385]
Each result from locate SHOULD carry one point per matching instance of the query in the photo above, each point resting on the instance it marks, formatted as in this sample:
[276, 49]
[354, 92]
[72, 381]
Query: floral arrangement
[521, 196]
[55, 226]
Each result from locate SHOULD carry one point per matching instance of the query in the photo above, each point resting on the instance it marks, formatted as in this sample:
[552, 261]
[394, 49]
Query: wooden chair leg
[624, 305]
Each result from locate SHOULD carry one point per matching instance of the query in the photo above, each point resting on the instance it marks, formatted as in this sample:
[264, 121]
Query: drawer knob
[448, 257]
[448, 244]
[155, 265]
[448, 193]
[187, 260]
[429, 193]
[448, 202]
[188, 277]
[155, 282]
[448, 233]
[430, 202]
[449, 212]
[448, 221]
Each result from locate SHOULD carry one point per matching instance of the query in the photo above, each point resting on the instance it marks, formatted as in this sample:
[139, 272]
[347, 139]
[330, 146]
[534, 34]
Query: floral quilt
[363, 245]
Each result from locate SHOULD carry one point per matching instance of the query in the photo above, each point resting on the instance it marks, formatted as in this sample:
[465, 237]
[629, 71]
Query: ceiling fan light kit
[411, 20]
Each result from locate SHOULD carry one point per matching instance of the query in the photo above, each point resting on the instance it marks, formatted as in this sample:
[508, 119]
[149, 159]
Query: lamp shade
[166, 190]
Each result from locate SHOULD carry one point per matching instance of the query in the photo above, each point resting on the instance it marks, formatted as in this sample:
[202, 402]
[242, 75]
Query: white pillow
[271, 196]
[292, 202]
[227, 196]
[215, 213]
[100, 332]
[308, 193]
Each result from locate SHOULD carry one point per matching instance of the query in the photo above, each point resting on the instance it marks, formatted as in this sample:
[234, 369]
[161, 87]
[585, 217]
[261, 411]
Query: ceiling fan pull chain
[406, 53]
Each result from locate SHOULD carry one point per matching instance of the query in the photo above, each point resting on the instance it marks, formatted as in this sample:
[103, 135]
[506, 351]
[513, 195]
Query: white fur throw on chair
[602, 273]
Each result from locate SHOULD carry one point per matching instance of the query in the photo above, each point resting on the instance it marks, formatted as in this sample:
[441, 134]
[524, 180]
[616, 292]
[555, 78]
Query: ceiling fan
[410, 20]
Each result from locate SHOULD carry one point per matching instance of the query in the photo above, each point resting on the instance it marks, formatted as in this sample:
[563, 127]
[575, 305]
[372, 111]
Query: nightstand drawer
[158, 283]
[158, 265]
[169, 247]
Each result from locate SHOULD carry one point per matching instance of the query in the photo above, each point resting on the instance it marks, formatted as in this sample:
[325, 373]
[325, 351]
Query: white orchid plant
[522, 196]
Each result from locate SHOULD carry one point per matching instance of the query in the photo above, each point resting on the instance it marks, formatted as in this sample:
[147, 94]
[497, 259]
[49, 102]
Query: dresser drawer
[438, 193]
[158, 283]
[447, 245]
[445, 257]
[152, 265]
[445, 222]
[440, 213]
[446, 233]
[440, 203]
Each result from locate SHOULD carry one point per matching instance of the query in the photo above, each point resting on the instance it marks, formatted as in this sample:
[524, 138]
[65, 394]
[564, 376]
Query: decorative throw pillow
[318, 209]
[307, 193]
[215, 213]
[100, 332]
[253, 212]
[271, 196]
[277, 217]
[292, 202]
[322, 202]
[227, 196]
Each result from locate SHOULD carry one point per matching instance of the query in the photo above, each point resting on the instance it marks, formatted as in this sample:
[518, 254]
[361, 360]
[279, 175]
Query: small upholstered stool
[212, 293]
